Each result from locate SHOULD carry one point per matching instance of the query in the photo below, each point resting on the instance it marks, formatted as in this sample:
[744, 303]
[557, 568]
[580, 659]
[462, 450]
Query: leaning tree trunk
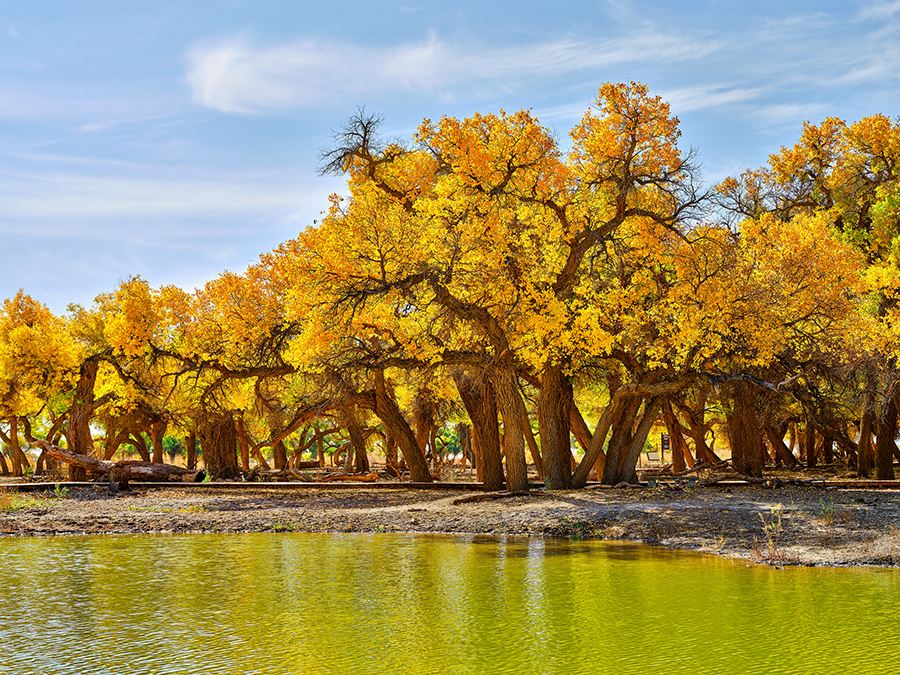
[623, 432]
[627, 470]
[219, 442]
[396, 425]
[479, 399]
[553, 420]
[885, 433]
[743, 431]
[512, 409]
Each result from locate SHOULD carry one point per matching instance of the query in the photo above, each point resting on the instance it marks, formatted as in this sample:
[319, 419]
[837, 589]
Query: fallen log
[365, 478]
[732, 476]
[125, 470]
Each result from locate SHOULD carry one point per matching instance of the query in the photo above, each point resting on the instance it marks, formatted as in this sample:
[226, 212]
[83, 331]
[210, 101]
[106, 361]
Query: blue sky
[178, 139]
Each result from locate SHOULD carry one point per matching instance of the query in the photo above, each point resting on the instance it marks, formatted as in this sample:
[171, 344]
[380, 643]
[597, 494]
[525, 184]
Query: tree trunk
[390, 452]
[137, 440]
[15, 452]
[627, 473]
[623, 432]
[219, 443]
[681, 454]
[512, 409]
[78, 431]
[159, 433]
[395, 424]
[594, 453]
[4, 468]
[357, 440]
[553, 418]
[320, 447]
[783, 455]
[190, 444]
[279, 455]
[480, 401]
[810, 445]
[743, 431]
[886, 432]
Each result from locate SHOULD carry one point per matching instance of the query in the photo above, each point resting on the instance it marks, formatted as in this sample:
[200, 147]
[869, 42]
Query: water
[284, 603]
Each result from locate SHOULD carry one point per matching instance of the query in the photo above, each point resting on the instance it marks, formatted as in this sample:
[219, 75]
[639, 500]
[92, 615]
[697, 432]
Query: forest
[489, 286]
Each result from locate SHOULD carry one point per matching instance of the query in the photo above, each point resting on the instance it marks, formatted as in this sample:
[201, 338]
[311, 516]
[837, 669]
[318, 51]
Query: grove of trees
[528, 294]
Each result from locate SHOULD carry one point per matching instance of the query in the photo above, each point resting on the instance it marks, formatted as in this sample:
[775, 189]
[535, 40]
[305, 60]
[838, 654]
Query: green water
[426, 604]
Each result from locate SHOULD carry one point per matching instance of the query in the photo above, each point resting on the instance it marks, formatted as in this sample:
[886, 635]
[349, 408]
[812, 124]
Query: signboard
[664, 441]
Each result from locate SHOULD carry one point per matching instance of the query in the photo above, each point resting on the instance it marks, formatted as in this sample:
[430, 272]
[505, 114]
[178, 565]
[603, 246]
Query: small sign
[664, 441]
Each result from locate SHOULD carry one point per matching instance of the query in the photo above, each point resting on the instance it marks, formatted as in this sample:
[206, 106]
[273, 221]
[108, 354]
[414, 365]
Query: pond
[385, 603]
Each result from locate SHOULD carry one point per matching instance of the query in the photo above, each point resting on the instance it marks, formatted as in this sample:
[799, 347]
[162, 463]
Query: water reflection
[426, 604]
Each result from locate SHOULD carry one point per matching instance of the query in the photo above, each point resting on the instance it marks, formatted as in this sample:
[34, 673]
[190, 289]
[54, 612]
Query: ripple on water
[424, 604]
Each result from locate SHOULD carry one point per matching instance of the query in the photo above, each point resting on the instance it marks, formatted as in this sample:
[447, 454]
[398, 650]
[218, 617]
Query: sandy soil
[779, 526]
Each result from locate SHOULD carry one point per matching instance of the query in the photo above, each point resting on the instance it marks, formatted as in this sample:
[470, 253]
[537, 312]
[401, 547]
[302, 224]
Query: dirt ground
[796, 525]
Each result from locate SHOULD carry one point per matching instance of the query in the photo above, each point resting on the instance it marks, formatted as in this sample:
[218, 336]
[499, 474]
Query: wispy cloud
[237, 77]
[880, 10]
[704, 97]
[110, 205]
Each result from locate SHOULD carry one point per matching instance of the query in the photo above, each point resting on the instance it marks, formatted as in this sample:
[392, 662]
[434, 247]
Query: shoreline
[791, 525]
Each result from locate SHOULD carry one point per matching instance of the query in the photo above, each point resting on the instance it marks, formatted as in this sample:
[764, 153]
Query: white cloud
[703, 97]
[116, 206]
[237, 77]
[880, 11]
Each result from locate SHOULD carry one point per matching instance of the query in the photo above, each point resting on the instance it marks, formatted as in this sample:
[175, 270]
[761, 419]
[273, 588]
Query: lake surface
[291, 603]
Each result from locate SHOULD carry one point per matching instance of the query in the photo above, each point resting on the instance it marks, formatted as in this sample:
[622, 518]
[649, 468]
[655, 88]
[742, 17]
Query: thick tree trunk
[357, 440]
[743, 431]
[512, 409]
[783, 455]
[390, 452]
[423, 421]
[395, 424]
[78, 431]
[553, 418]
[159, 433]
[15, 452]
[190, 444]
[4, 468]
[219, 443]
[480, 401]
[886, 432]
[810, 445]
[137, 440]
[279, 455]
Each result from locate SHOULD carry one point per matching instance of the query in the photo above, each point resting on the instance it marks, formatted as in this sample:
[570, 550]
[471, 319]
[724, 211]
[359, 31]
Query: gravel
[777, 526]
